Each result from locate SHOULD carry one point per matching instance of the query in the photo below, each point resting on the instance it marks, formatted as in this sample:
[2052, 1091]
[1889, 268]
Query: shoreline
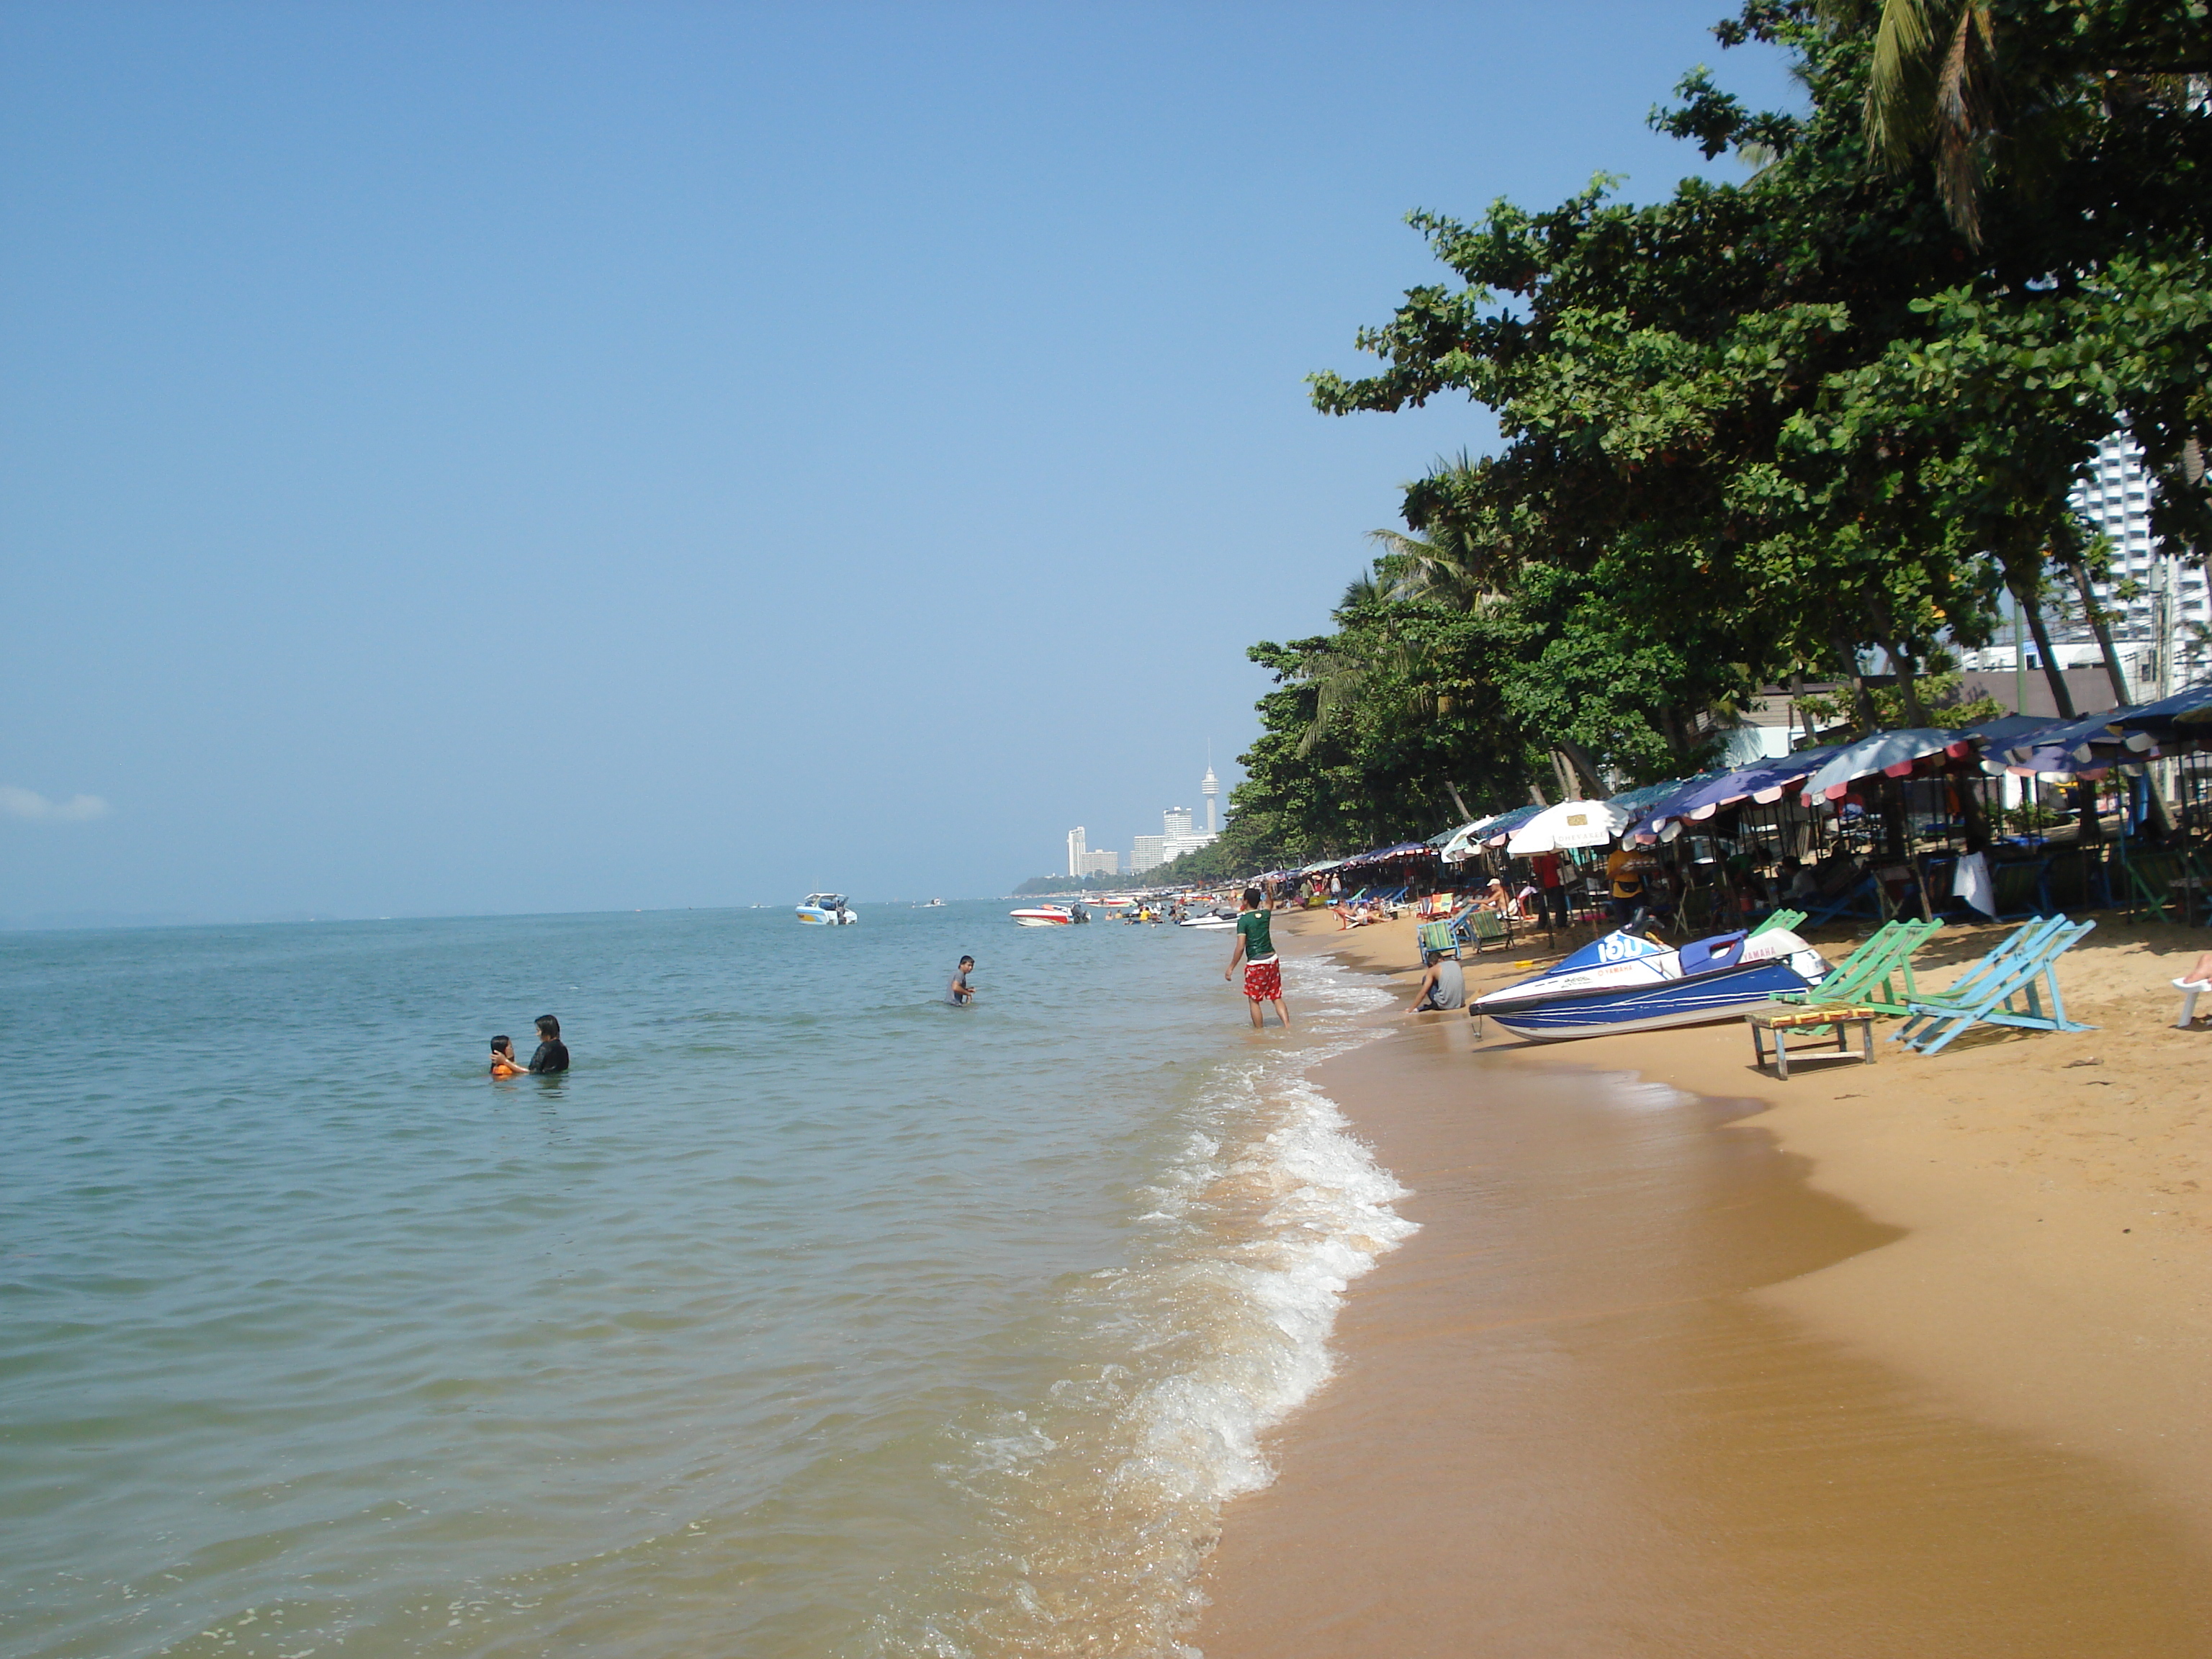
[2023, 1264]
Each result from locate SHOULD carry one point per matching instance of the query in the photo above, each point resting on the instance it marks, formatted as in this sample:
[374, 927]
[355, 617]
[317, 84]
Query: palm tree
[1975, 82]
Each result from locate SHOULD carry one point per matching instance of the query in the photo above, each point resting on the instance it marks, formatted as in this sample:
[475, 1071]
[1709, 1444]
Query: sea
[809, 1314]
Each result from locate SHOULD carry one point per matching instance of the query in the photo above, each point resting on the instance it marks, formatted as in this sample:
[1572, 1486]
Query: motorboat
[1625, 981]
[933, 904]
[826, 910]
[1044, 915]
[1211, 922]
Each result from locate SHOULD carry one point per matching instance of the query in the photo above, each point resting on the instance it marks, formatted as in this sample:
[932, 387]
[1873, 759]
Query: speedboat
[826, 910]
[1211, 922]
[1044, 915]
[934, 904]
[1626, 982]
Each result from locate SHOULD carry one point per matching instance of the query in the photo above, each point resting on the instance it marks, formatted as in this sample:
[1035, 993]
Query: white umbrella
[1570, 823]
[1465, 838]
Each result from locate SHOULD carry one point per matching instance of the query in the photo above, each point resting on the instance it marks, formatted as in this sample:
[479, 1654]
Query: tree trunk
[1585, 767]
[1465, 816]
[2161, 823]
[2061, 698]
[1862, 699]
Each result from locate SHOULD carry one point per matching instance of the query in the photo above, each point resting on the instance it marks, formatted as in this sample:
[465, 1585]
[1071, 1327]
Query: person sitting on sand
[1444, 985]
[503, 1062]
[1263, 971]
[959, 992]
[552, 1055]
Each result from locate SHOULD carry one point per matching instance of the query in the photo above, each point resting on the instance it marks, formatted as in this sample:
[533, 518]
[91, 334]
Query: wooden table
[1781, 1017]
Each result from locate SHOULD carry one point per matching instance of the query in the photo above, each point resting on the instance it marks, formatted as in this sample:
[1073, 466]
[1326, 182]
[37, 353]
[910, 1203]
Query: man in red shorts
[1263, 973]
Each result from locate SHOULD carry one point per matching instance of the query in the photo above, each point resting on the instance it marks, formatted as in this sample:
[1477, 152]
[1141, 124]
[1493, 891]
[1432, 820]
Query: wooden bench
[1785, 1017]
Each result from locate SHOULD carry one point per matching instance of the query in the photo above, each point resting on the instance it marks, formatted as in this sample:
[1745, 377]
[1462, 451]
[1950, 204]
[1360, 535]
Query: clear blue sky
[468, 458]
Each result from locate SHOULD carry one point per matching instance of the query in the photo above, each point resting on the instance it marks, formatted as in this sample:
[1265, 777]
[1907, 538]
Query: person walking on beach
[1627, 870]
[552, 1053]
[1263, 973]
[959, 993]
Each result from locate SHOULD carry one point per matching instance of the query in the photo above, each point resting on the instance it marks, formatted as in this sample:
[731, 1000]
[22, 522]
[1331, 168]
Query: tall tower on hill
[1210, 787]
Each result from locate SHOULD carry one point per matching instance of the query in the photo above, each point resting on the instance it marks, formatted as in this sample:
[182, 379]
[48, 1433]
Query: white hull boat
[826, 910]
[1042, 916]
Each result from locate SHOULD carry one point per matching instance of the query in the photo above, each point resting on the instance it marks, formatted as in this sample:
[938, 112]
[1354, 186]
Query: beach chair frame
[1878, 973]
[2025, 967]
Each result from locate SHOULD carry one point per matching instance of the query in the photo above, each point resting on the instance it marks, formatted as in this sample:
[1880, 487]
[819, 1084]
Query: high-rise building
[2166, 604]
[1146, 853]
[1177, 820]
[1210, 787]
[1104, 863]
[1077, 846]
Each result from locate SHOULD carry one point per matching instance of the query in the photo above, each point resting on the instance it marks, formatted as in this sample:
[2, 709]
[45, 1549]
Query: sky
[469, 458]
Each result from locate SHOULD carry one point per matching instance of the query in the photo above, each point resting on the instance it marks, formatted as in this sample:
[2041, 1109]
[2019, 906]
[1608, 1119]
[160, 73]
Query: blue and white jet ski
[1626, 982]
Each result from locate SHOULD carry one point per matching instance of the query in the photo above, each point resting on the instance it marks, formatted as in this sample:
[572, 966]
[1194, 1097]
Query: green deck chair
[1876, 975]
[1788, 919]
[1438, 940]
[2025, 967]
[1486, 927]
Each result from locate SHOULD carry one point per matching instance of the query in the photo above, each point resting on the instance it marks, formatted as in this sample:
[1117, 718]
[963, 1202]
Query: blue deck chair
[1862, 898]
[2024, 966]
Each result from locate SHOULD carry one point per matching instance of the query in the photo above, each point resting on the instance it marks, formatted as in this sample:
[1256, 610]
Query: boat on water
[826, 910]
[1049, 916]
[933, 904]
[1211, 921]
[1624, 981]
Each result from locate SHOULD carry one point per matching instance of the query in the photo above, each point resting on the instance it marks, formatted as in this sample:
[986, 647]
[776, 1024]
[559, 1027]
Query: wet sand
[1589, 1410]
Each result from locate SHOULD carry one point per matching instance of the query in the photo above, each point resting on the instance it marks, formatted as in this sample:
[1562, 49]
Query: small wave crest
[1102, 1497]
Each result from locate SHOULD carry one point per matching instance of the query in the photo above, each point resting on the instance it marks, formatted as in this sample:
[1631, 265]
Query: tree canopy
[1766, 429]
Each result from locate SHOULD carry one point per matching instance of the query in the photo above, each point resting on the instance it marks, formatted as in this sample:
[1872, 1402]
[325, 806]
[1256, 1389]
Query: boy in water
[958, 991]
[1263, 973]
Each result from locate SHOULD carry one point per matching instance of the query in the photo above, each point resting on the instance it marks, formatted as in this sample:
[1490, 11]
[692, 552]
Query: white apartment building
[1146, 853]
[2161, 617]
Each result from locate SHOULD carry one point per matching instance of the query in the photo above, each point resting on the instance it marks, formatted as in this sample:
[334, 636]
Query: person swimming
[504, 1063]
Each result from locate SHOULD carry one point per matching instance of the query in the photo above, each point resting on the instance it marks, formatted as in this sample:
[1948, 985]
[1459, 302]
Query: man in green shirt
[1263, 973]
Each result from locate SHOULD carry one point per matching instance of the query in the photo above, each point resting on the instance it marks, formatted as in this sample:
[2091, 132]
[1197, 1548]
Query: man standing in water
[958, 992]
[1263, 973]
[552, 1053]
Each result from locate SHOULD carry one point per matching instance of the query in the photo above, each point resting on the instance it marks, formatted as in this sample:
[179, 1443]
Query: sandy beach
[1897, 1359]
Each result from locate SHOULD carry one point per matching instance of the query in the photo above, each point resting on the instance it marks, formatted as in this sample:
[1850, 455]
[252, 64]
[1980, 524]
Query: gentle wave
[1105, 1496]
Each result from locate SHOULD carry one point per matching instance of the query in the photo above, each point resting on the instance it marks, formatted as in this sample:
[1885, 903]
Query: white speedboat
[934, 904]
[826, 910]
[1210, 922]
[1044, 915]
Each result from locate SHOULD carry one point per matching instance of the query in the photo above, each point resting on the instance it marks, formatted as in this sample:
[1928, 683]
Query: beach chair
[1483, 928]
[1783, 919]
[2025, 967]
[1878, 975]
[2191, 989]
[2019, 889]
[1862, 898]
[1437, 940]
[2156, 880]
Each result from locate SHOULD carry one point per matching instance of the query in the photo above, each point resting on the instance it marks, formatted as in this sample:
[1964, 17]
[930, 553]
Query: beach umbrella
[1501, 828]
[1762, 785]
[1570, 823]
[1888, 754]
[1463, 841]
[2076, 747]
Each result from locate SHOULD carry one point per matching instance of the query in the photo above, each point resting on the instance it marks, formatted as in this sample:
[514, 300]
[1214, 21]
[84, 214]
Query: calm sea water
[807, 1315]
